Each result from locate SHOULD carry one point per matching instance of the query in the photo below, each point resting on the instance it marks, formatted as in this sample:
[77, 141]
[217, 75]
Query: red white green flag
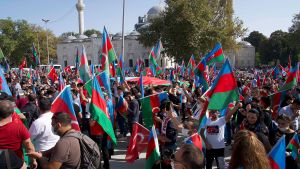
[108, 55]
[99, 111]
[153, 154]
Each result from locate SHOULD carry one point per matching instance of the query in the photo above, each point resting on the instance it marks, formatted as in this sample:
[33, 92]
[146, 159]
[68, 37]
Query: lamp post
[123, 42]
[46, 21]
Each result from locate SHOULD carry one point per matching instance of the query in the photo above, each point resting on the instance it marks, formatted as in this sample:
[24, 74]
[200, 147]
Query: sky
[265, 16]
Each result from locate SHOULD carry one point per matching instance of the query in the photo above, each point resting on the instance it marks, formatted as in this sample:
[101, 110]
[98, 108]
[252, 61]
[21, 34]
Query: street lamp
[123, 28]
[46, 21]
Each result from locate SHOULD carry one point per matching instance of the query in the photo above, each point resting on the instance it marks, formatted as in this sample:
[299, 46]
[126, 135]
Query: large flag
[276, 100]
[224, 89]
[64, 103]
[108, 55]
[103, 80]
[52, 75]
[195, 139]
[3, 84]
[291, 80]
[294, 145]
[277, 154]
[99, 111]
[153, 153]
[35, 57]
[215, 55]
[120, 70]
[84, 70]
[138, 142]
[149, 104]
[153, 63]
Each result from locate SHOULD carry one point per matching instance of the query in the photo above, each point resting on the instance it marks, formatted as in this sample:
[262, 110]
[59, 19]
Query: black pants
[214, 154]
[102, 143]
[183, 111]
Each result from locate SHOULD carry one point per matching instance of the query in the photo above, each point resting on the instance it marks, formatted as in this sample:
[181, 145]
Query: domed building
[144, 21]
[134, 50]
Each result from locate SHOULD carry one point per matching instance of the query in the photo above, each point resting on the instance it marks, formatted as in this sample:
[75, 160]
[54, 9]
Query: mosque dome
[94, 36]
[82, 37]
[245, 44]
[155, 10]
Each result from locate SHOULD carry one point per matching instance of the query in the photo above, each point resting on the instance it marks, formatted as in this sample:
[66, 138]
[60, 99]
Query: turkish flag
[138, 142]
[52, 75]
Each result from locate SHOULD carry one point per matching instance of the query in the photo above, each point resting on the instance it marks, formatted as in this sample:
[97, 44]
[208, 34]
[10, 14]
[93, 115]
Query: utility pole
[46, 22]
[123, 38]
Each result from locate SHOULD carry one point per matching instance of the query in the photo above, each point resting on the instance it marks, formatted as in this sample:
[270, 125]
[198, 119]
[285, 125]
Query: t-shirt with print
[66, 151]
[214, 131]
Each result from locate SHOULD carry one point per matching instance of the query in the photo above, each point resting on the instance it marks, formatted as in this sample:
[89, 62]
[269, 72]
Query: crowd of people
[250, 127]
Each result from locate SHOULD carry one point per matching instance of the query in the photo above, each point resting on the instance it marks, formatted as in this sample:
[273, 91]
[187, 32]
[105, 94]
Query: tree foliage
[16, 38]
[193, 27]
[255, 38]
[89, 32]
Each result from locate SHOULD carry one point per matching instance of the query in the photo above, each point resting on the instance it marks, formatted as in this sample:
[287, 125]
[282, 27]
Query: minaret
[80, 7]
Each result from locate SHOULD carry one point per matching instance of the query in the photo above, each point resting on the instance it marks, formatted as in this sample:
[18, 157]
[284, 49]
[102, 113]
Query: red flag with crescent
[138, 142]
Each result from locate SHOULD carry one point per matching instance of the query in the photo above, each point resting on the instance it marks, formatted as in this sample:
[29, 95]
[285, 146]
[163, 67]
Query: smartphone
[168, 106]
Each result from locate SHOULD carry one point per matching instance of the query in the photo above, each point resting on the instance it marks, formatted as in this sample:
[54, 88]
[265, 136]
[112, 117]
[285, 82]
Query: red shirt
[85, 93]
[96, 129]
[12, 135]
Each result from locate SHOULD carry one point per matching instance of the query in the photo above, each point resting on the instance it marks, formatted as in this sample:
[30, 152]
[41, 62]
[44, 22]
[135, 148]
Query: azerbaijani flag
[99, 110]
[3, 84]
[120, 69]
[215, 55]
[195, 139]
[276, 100]
[84, 70]
[157, 49]
[141, 85]
[200, 68]
[35, 57]
[149, 104]
[121, 105]
[103, 80]
[64, 103]
[294, 145]
[108, 53]
[291, 80]
[277, 154]
[152, 154]
[224, 89]
[191, 65]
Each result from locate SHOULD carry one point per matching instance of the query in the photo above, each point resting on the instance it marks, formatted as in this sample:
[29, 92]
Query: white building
[66, 49]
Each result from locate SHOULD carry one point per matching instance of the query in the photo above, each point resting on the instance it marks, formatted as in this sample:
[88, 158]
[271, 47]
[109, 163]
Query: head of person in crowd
[284, 122]
[189, 128]
[31, 97]
[188, 157]
[61, 123]
[213, 115]
[120, 90]
[127, 96]
[295, 106]
[253, 116]
[265, 102]
[198, 92]
[135, 92]
[248, 152]
[6, 109]
[74, 93]
[44, 105]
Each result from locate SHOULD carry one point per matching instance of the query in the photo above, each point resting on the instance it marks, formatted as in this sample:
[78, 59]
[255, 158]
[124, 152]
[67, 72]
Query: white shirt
[214, 131]
[41, 133]
[288, 112]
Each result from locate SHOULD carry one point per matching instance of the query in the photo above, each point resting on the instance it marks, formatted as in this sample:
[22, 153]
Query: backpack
[90, 153]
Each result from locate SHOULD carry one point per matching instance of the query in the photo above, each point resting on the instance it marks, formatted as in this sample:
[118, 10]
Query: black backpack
[90, 153]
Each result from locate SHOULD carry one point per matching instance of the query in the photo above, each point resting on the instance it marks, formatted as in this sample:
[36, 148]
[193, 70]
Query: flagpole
[123, 16]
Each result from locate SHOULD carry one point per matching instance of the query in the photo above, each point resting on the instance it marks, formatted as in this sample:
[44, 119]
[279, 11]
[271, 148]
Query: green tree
[193, 27]
[16, 38]
[255, 38]
[89, 32]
